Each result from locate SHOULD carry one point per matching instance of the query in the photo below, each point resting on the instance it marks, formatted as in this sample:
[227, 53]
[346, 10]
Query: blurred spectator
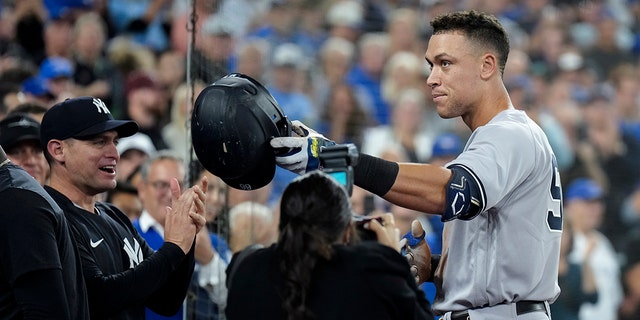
[406, 136]
[446, 147]
[174, 133]
[517, 65]
[127, 58]
[171, 71]
[334, 60]
[618, 154]
[284, 85]
[134, 151]
[261, 196]
[146, 21]
[217, 209]
[363, 202]
[545, 47]
[607, 52]
[279, 25]
[34, 90]
[26, 27]
[584, 207]
[246, 14]
[58, 37]
[366, 75]
[145, 106]
[402, 28]
[312, 27]
[403, 218]
[251, 223]
[33, 109]
[288, 65]
[208, 291]
[576, 280]
[212, 57]
[578, 73]
[20, 138]
[67, 8]
[182, 17]
[57, 73]
[626, 84]
[11, 85]
[155, 193]
[93, 73]
[345, 19]
[253, 58]
[402, 72]
[343, 118]
[630, 213]
[125, 197]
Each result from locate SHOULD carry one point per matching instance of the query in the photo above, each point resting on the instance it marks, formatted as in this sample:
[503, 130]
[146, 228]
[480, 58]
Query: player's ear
[56, 150]
[489, 66]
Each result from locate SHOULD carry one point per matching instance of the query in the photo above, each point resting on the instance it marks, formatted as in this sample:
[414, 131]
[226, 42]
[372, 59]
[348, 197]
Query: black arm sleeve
[167, 300]
[39, 295]
[138, 283]
[374, 174]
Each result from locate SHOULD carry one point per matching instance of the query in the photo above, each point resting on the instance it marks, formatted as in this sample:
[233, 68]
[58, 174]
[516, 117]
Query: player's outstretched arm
[416, 186]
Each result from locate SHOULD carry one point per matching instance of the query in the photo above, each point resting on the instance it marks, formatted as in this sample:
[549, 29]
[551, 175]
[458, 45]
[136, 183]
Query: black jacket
[364, 281]
[123, 274]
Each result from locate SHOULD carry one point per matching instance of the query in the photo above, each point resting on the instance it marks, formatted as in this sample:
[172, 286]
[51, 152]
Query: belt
[522, 307]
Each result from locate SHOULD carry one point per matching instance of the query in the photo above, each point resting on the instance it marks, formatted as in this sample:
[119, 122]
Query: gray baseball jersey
[510, 251]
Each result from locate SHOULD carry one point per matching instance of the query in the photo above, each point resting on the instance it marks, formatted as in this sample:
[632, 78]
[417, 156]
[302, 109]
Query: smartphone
[365, 234]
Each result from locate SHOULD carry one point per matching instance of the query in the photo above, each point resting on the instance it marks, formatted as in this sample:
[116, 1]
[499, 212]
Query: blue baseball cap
[446, 145]
[58, 9]
[35, 86]
[56, 67]
[584, 189]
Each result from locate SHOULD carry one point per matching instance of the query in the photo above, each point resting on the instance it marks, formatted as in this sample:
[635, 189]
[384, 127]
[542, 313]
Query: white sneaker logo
[95, 244]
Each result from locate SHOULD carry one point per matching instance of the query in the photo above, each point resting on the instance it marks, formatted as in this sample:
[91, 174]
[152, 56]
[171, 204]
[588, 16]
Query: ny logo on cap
[102, 108]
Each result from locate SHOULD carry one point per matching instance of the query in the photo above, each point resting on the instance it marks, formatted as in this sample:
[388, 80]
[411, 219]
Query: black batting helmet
[233, 120]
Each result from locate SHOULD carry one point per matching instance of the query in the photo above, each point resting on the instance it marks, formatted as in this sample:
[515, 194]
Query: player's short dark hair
[482, 28]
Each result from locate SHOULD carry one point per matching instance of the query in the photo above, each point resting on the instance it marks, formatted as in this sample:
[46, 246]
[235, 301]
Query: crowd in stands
[355, 71]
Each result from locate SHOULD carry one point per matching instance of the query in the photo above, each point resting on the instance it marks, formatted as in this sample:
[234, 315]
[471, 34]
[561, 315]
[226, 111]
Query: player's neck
[75, 194]
[487, 110]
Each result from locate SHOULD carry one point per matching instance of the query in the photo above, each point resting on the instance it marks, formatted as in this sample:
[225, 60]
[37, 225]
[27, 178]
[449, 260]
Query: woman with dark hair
[343, 117]
[319, 269]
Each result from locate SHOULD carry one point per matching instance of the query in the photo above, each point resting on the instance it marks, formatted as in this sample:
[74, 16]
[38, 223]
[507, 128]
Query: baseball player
[40, 271]
[501, 198]
[123, 274]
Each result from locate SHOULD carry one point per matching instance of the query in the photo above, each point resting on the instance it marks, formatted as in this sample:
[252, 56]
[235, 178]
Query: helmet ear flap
[232, 123]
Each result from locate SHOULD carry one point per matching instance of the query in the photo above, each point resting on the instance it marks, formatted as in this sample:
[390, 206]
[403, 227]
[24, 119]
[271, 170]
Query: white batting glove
[304, 148]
